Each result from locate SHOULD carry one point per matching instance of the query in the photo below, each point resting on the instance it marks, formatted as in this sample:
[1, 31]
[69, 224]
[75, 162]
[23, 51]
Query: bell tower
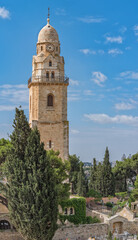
[48, 93]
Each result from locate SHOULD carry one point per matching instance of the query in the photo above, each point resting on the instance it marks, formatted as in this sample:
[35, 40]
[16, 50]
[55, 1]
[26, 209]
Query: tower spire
[48, 19]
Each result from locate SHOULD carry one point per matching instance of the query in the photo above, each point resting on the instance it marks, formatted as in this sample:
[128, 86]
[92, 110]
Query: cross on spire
[48, 12]
[48, 19]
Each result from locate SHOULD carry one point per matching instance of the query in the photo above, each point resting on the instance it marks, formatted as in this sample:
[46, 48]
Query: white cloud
[6, 86]
[118, 119]
[73, 82]
[128, 48]
[100, 51]
[124, 106]
[74, 131]
[99, 78]
[10, 107]
[131, 104]
[114, 89]
[73, 95]
[118, 39]
[60, 12]
[14, 93]
[88, 93]
[115, 51]
[123, 29]
[135, 28]
[87, 51]
[4, 13]
[91, 19]
[129, 75]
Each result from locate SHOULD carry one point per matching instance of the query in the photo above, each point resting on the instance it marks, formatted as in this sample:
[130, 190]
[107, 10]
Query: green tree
[134, 194]
[5, 146]
[121, 195]
[73, 173]
[120, 176]
[93, 175]
[123, 170]
[99, 178]
[31, 190]
[81, 184]
[108, 178]
[61, 171]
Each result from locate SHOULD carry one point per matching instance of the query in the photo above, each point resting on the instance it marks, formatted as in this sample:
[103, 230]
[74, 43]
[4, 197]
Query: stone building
[48, 93]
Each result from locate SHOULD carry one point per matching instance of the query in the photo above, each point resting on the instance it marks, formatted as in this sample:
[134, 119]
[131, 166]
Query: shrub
[109, 204]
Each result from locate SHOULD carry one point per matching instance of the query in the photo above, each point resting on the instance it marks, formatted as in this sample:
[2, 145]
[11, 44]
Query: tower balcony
[44, 79]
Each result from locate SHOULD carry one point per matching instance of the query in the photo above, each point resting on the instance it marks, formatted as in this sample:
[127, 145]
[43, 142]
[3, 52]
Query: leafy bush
[95, 194]
[79, 205]
[109, 204]
[90, 220]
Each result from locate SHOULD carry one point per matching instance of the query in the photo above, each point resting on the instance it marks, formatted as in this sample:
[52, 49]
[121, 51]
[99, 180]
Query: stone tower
[48, 93]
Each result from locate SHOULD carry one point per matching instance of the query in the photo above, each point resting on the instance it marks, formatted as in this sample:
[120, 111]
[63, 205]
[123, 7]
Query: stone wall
[7, 235]
[81, 232]
[131, 227]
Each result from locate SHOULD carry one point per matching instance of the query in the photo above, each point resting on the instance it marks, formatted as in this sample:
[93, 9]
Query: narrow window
[41, 48]
[47, 74]
[52, 75]
[57, 49]
[66, 211]
[50, 100]
[71, 211]
[50, 64]
[50, 144]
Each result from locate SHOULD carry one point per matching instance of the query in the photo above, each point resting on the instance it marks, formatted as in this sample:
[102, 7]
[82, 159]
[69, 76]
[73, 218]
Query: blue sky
[99, 41]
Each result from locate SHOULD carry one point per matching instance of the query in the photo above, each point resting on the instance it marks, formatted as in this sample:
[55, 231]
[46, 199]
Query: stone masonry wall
[82, 232]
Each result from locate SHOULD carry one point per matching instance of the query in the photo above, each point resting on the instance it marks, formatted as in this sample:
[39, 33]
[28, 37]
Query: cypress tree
[92, 183]
[81, 184]
[20, 133]
[31, 189]
[108, 179]
[99, 178]
[33, 197]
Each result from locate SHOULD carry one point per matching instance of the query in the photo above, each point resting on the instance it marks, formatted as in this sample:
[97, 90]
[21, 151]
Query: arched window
[50, 64]
[41, 48]
[47, 74]
[50, 100]
[50, 144]
[71, 211]
[52, 75]
[4, 225]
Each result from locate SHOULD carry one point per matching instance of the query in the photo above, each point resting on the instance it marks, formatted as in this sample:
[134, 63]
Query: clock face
[50, 47]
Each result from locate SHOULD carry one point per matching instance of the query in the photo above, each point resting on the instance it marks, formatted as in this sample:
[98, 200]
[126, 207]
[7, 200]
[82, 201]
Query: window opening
[47, 74]
[52, 75]
[50, 144]
[4, 224]
[41, 48]
[50, 64]
[71, 211]
[50, 100]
